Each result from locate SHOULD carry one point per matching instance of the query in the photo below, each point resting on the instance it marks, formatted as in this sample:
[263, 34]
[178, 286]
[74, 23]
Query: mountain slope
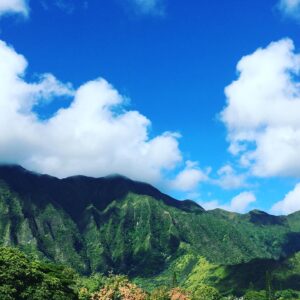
[115, 223]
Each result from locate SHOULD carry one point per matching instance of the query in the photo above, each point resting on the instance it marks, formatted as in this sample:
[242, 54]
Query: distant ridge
[78, 187]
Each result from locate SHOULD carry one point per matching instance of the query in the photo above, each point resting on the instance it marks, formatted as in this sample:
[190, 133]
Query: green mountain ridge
[114, 223]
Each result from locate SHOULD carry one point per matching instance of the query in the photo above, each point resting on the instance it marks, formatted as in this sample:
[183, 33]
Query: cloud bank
[94, 136]
[13, 7]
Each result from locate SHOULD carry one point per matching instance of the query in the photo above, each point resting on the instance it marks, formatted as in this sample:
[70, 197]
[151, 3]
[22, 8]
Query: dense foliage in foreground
[23, 278]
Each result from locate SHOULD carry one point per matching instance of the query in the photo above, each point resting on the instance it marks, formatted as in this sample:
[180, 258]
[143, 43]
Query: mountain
[114, 223]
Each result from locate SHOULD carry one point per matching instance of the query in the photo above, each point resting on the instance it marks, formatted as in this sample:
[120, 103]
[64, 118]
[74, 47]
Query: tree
[89, 285]
[161, 293]
[22, 279]
[178, 294]
[118, 287]
[174, 280]
[286, 295]
[269, 287]
[255, 295]
[206, 292]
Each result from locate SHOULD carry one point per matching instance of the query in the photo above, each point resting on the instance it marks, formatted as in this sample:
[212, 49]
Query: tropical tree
[22, 279]
[118, 287]
[206, 292]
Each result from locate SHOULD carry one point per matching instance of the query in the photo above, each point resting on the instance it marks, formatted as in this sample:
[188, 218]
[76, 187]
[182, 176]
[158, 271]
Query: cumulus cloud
[94, 136]
[263, 109]
[289, 204]
[290, 8]
[13, 7]
[148, 6]
[229, 178]
[239, 203]
[190, 177]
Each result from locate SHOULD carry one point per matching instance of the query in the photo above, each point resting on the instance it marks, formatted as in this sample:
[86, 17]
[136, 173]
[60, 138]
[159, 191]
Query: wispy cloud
[67, 6]
[14, 7]
[148, 7]
[228, 178]
[290, 8]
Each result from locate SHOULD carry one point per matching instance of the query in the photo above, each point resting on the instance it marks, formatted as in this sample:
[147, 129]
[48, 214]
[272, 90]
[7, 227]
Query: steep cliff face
[113, 223]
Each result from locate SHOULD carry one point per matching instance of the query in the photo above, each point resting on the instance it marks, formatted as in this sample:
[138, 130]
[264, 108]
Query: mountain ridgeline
[114, 223]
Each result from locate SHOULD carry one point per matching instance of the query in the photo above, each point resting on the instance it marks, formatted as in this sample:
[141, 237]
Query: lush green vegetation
[21, 278]
[24, 278]
[167, 248]
[98, 225]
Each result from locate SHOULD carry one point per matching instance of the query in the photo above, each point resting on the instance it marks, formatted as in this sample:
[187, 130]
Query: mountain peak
[262, 218]
[76, 192]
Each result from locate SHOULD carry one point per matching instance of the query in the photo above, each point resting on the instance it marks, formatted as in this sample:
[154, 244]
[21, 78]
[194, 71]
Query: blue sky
[164, 67]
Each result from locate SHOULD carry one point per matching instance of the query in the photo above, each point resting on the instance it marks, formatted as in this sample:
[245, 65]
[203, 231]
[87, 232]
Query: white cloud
[263, 109]
[149, 6]
[94, 136]
[189, 178]
[290, 8]
[209, 205]
[13, 7]
[289, 204]
[239, 203]
[229, 178]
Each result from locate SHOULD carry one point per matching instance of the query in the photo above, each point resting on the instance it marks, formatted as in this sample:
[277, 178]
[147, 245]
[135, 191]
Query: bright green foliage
[203, 273]
[96, 225]
[287, 295]
[91, 284]
[23, 279]
[113, 223]
[255, 295]
[161, 293]
[205, 292]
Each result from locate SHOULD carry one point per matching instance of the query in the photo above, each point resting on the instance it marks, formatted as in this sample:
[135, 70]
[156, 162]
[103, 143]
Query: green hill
[114, 223]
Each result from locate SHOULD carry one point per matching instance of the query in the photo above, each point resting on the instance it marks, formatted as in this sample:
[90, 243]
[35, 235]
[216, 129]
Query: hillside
[114, 223]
